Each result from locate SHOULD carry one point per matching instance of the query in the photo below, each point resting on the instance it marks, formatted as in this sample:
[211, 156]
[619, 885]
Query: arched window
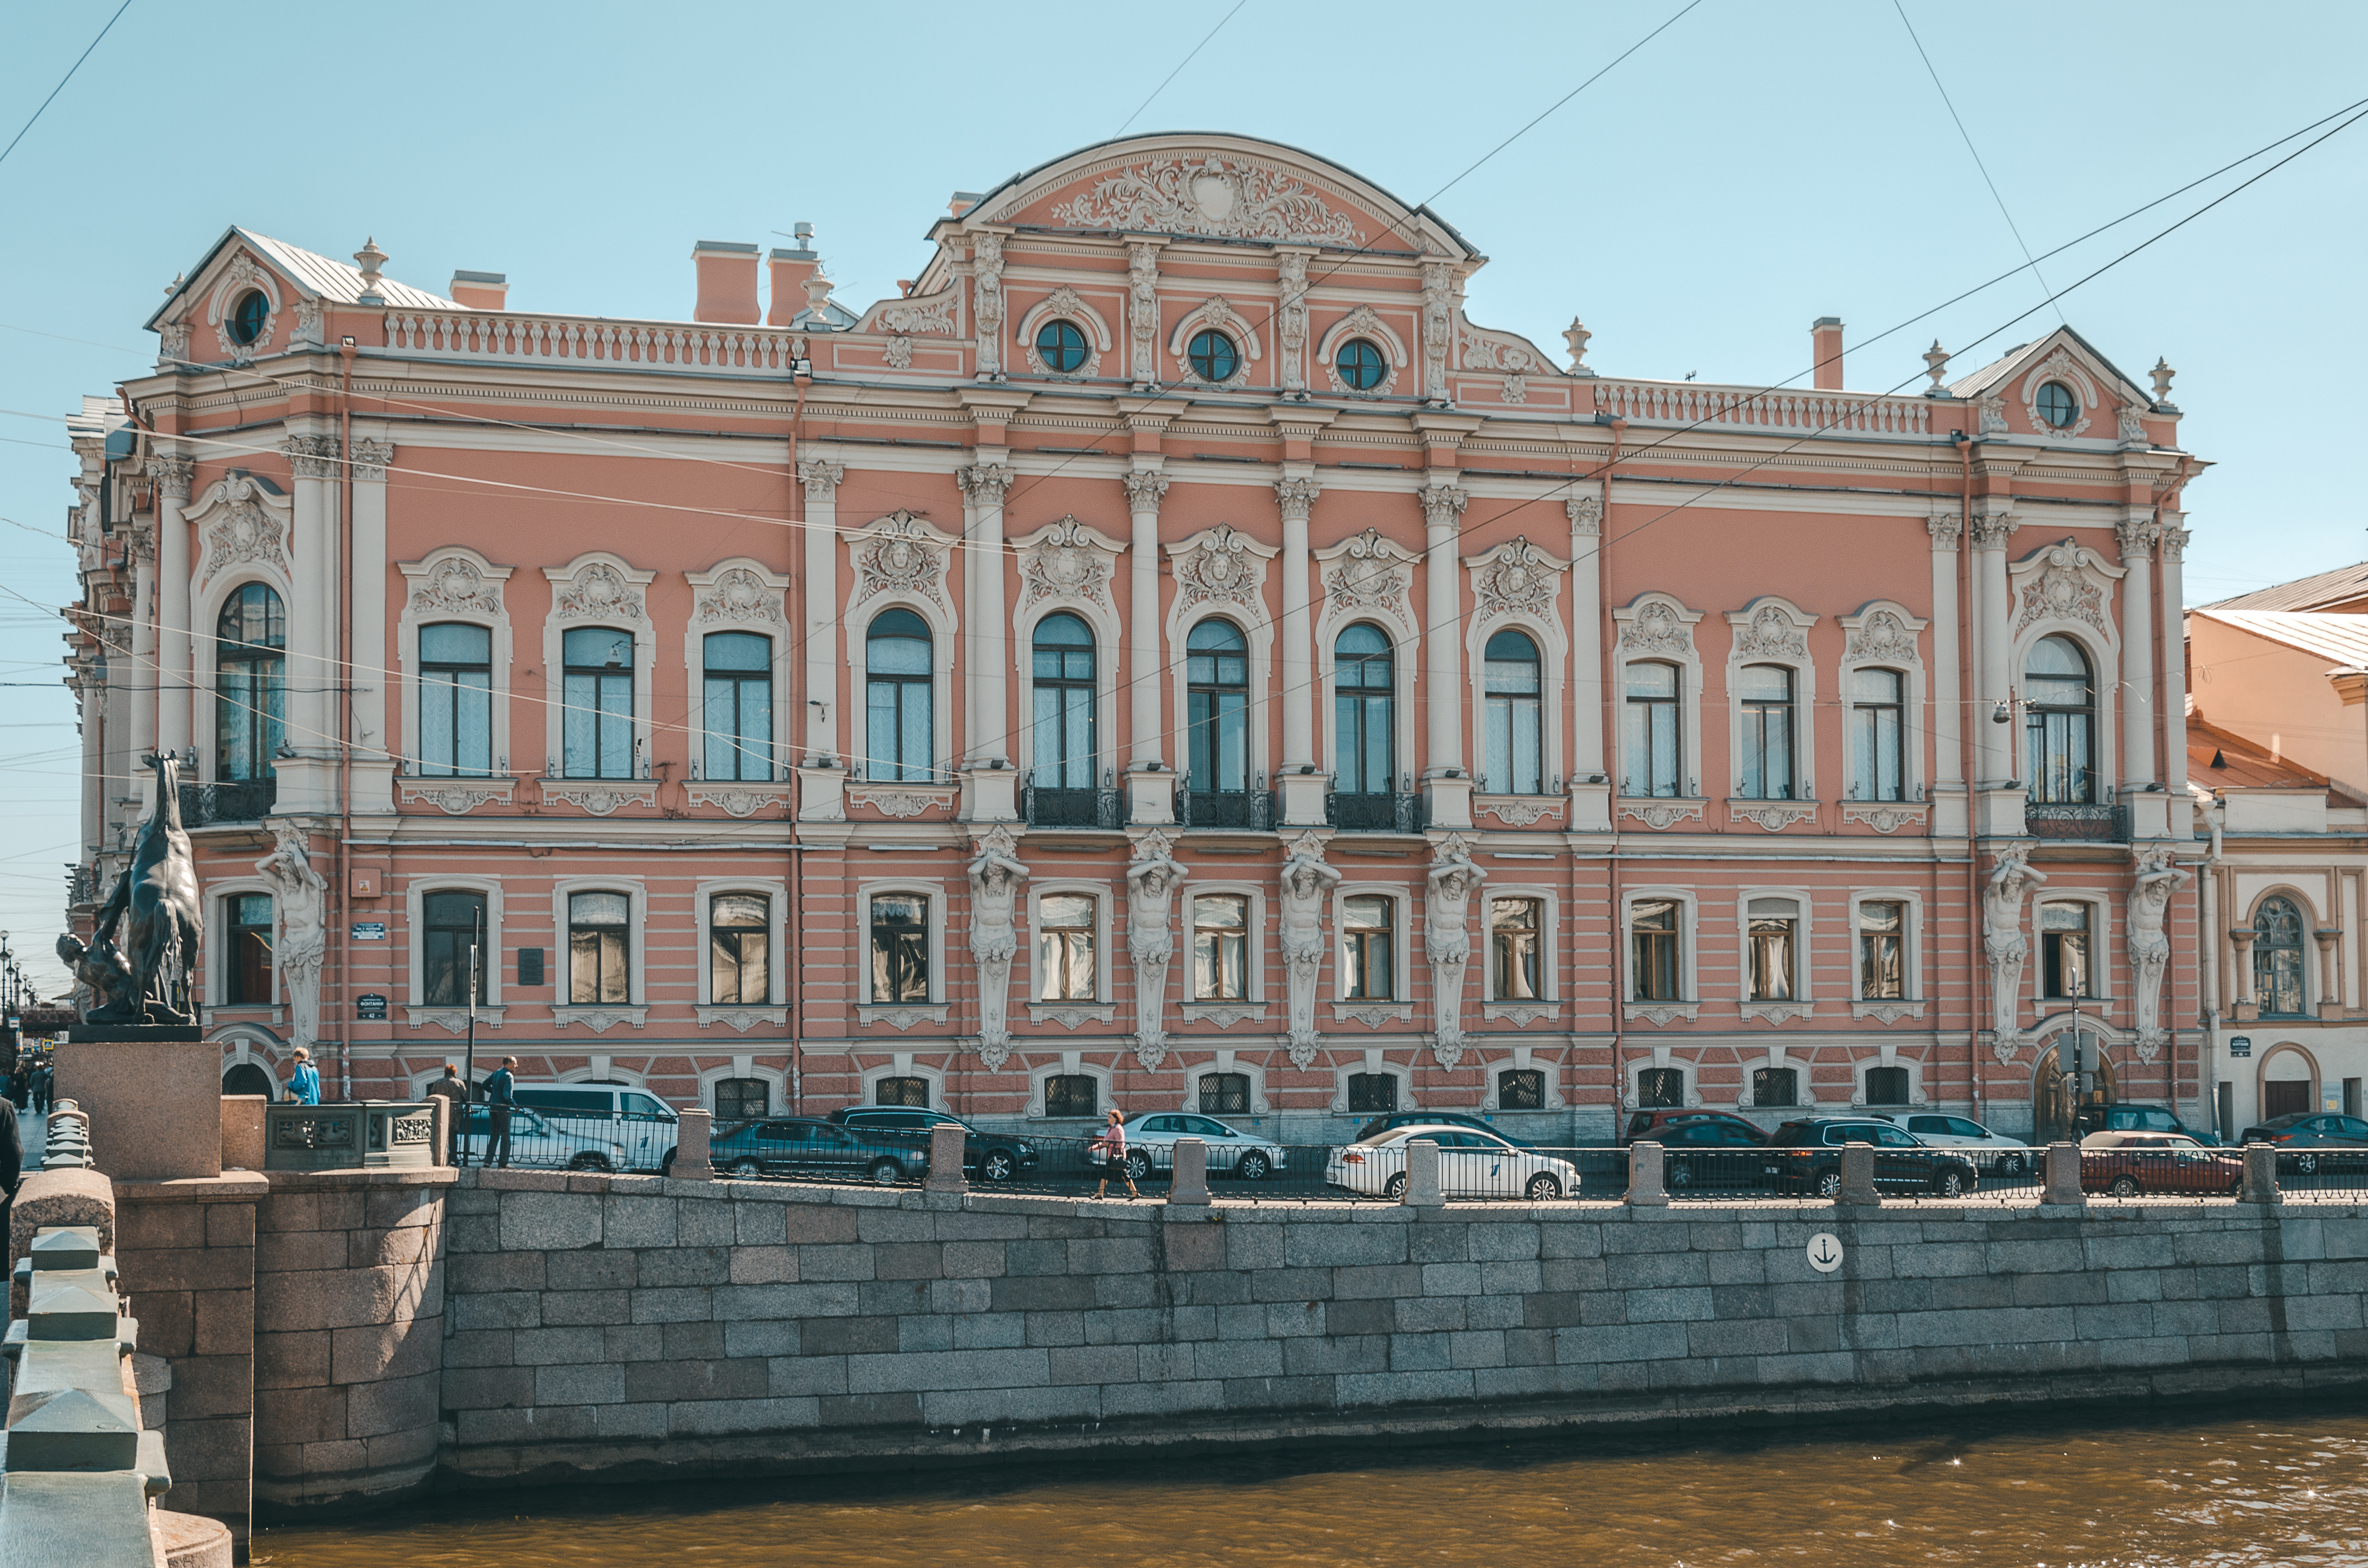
[1364, 710]
[1766, 766]
[1063, 749]
[1877, 756]
[251, 689]
[1061, 346]
[2059, 705]
[1217, 697]
[1653, 758]
[1661, 1087]
[898, 696]
[598, 726]
[1516, 719]
[2277, 959]
[738, 709]
[454, 922]
[456, 703]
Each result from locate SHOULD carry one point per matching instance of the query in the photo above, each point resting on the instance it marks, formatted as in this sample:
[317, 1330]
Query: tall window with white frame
[1221, 941]
[1364, 710]
[1367, 947]
[1766, 764]
[246, 971]
[451, 922]
[1216, 696]
[2063, 949]
[1774, 926]
[1514, 958]
[1878, 751]
[598, 728]
[1653, 943]
[900, 946]
[456, 703]
[251, 684]
[739, 944]
[2277, 959]
[899, 693]
[1882, 957]
[1065, 947]
[1062, 743]
[600, 942]
[2059, 705]
[1514, 717]
[737, 705]
[1652, 755]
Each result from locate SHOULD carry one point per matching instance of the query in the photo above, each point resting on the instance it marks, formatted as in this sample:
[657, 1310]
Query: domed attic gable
[1206, 187]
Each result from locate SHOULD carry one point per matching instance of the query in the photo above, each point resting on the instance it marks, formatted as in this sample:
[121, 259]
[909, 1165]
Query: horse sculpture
[159, 893]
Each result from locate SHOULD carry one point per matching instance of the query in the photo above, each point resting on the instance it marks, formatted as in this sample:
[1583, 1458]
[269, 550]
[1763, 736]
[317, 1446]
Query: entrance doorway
[2052, 1093]
[246, 1078]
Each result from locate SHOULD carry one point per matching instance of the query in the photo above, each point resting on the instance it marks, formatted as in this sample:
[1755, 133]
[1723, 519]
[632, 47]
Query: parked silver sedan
[1990, 1152]
[1151, 1146]
[1472, 1163]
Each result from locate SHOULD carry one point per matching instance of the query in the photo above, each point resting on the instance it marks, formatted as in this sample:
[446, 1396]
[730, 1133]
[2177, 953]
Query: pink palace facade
[1166, 656]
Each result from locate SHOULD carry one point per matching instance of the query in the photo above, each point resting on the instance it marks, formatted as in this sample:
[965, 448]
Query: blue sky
[1755, 167]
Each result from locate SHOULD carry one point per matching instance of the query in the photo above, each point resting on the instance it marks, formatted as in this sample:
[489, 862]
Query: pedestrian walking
[1112, 1144]
[499, 1101]
[455, 1096]
[44, 1075]
[12, 1164]
[304, 1082]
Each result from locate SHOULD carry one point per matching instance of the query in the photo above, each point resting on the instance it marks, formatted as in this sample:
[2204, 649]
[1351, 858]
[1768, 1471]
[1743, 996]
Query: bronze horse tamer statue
[158, 893]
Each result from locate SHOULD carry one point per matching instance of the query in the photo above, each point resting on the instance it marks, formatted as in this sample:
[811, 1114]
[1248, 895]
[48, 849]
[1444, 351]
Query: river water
[2284, 1487]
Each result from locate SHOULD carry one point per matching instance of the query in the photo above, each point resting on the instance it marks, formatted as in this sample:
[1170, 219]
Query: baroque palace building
[1167, 656]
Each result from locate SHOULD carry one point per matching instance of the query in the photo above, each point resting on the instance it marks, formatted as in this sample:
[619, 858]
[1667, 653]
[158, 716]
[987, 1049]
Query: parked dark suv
[1903, 1163]
[2309, 1141]
[990, 1156]
[1654, 1125]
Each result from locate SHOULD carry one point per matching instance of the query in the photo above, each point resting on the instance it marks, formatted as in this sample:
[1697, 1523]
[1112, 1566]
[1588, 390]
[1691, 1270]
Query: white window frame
[1224, 1061]
[901, 1016]
[599, 1016]
[1253, 960]
[252, 1044]
[1394, 615]
[1401, 945]
[2102, 644]
[744, 1066]
[1525, 1058]
[1364, 322]
[1911, 955]
[768, 620]
[1802, 1004]
[1065, 303]
[1545, 630]
[629, 614]
[1662, 1056]
[1372, 1059]
[217, 968]
[2100, 948]
[1549, 928]
[1070, 1063]
[206, 663]
[1688, 1003]
[1914, 729]
[1804, 667]
[857, 703]
[1778, 1056]
[418, 578]
[900, 1064]
[744, 1015]
[1108, 648]
[414, 913]
[1629, 650]
[1890, 1057]
[1258, 633]
[1099, 1009]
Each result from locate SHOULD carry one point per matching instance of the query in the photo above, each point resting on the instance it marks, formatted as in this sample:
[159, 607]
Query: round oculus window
[2057, 406]
[1062, 346]
[1213, 356]
[1360, 364]
[246, 317]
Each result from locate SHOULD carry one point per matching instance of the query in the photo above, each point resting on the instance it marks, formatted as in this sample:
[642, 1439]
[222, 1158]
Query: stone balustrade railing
[1756, 408]
[725, 350]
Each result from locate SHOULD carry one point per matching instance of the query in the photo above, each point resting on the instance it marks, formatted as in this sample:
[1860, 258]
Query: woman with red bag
[1111, 1149]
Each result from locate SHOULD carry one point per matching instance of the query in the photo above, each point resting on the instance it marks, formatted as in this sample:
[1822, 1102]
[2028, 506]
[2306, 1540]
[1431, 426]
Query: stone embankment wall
[620, 1325]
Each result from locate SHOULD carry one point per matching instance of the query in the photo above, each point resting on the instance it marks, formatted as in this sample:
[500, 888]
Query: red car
[2127, 1164]
[1655, 1126]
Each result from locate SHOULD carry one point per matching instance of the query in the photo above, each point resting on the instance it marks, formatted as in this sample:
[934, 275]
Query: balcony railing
[1391, 813]
[2100, 824]
[1072, 808]
[1249, 808]
[233, 799]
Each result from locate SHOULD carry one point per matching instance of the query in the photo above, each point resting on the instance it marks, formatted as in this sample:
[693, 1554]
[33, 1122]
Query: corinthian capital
[984, 485]
[172, 476]
[1296, 496]
[1145, 491]
[1442, 504]
[821, 478]
[1992, 533]
[1946, 528]
[2136, 536]
[2174, 537]
[313, 457]
[370, 459]
[1586, 513]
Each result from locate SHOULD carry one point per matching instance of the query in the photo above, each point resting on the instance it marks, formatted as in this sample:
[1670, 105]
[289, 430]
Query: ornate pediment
[455, 584]
[737, 593]
[901, 557]
[1069, 561]
[2065, 582]
[600, 588]
[1220, 565]
[1229, 199]
[1369, 574]
[242, 519]
[1658, 624]
[1514, 578]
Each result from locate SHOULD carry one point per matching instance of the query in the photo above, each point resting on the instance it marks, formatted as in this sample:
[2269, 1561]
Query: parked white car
[1989, 1152]
[1151, 1145]
[644, 1123]
[1472, 1163]
[544, 1145]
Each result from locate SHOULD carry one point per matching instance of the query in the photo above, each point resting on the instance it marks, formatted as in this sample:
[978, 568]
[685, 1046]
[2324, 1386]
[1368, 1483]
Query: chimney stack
[727, 283]
[481, 291]
[790, 270]
[1825, 335]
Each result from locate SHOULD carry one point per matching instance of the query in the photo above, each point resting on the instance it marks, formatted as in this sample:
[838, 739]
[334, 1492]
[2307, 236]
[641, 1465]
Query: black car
[1903, 1163]
[990, 1156]
[2134, 1118]
[1711, 1151]
[2309, 1141]
[1382, 1124]
[803, 1146]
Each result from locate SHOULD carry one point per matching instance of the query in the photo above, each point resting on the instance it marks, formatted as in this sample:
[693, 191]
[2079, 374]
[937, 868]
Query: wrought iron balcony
[1072, 808]
[231, 799]
[1249, 808]
[1391, 813]
[2100, 824]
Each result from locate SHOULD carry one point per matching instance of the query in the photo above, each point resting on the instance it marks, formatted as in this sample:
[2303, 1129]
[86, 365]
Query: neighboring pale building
[2276, 736]
[823, 706]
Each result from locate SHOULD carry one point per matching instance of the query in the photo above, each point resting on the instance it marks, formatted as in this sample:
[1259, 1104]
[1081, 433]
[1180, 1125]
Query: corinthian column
[822, 697]
[2174, 659]
[1445, 779]
[144, 649]
[306, 780]
[1143, 490]
[984, 486]
[2137, 536]
[172, 476]
[1301, 806]
[1994, 640]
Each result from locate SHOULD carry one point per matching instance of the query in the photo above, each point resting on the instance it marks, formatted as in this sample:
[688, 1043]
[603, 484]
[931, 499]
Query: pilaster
[1298, 784]
[172, 476]
[1151, 788]
[1445, 783]
[374, 660]
[307, 781]
[1590, 785]
[822, 698]
[1951, 678]
[2173, 635]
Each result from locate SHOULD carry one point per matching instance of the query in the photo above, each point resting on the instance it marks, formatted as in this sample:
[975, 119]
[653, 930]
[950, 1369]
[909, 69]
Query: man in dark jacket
[12, 1161]
[499, 1102]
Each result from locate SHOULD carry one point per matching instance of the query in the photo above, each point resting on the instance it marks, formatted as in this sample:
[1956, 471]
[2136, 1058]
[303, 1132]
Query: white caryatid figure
[2004, 945]
[299, 905]
[1308, 882]
[1446, 939]
[994, 878]
[1151, 879]
[2158, 879]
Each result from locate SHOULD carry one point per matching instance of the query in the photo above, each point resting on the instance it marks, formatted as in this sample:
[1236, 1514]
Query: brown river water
[2284, 1486]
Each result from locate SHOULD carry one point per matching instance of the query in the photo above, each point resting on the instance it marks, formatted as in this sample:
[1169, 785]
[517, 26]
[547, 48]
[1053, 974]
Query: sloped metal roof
[312, 272]
[2319, 591]
[2014, 358]
[2342, 639]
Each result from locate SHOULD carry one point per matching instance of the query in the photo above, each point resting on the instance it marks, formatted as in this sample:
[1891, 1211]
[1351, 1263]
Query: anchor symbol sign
[1825, 1252]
